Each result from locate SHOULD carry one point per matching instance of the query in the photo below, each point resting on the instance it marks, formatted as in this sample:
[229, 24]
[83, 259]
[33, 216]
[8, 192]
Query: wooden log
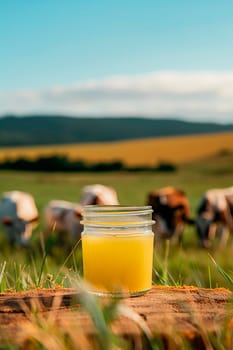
[165, 312]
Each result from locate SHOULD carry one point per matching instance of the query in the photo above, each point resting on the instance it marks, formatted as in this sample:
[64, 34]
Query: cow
[215, 216]
[171, 211]
[98, 195]
[19, 216]
[63, 217]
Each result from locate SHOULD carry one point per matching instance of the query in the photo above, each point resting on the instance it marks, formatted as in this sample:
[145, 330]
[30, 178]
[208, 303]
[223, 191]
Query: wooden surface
[164, 311]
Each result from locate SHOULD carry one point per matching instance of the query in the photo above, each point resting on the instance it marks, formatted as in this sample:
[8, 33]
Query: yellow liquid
[118, 264]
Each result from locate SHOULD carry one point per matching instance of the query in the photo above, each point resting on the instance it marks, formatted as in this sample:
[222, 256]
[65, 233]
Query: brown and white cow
[171, 212]
[215, 216]
[18, 215]
[98, 195]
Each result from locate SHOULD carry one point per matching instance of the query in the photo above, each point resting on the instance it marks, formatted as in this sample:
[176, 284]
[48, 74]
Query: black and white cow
[18, 215]
[215, 216]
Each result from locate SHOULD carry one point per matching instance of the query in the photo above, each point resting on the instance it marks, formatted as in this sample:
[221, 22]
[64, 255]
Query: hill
[48, 130]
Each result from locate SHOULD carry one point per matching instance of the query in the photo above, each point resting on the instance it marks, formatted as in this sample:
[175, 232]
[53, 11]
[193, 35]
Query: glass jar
[117, 248]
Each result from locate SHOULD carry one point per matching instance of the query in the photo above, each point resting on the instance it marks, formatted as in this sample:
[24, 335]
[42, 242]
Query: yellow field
[182, 149]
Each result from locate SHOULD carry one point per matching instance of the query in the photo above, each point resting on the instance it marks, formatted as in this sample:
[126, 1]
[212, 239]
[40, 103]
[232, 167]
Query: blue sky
[52, 43]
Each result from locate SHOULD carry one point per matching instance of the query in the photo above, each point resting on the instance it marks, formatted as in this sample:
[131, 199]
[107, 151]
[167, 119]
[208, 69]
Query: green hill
[47, 130]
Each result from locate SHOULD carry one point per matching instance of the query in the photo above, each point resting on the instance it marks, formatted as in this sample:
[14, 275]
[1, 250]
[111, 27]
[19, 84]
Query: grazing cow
[171, 212]
[99, 195]
[215, 216]
[63, 217]
[19, 215]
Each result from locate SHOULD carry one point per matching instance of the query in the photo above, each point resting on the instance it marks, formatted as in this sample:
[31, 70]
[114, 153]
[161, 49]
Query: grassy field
[179, 150]
[187, 264]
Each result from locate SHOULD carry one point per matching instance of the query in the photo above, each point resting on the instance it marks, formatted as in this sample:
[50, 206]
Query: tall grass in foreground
[46, 266]
[59, 266]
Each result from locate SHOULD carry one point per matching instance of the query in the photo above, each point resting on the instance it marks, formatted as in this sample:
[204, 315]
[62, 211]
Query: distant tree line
[57, 163]
[47, 130]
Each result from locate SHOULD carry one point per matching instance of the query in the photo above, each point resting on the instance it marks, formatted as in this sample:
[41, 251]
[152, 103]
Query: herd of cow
[171, 212]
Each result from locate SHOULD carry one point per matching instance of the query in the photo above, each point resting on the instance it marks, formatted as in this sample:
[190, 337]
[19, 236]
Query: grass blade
[2, 275]
[225, 275]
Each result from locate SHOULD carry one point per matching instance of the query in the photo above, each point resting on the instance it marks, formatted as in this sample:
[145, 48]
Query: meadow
[178, 150]
[49, 262]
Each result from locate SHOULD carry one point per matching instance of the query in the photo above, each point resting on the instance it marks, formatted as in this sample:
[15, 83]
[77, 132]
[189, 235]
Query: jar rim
[116, 210]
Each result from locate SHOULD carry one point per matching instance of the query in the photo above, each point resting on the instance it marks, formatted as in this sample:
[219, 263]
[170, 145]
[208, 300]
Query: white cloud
[188, 95]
